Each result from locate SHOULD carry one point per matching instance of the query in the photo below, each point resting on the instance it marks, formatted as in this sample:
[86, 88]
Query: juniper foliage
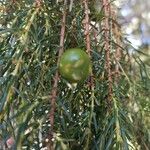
[84, 118]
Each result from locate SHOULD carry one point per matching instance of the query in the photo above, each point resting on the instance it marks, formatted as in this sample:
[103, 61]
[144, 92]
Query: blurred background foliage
[29, 45]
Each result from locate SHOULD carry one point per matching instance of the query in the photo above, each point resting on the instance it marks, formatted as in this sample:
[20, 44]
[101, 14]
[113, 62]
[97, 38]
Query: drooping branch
[116, 32]
[86, 26]
[86, 23]
[106, 7]
[117, 35]
[56, 79]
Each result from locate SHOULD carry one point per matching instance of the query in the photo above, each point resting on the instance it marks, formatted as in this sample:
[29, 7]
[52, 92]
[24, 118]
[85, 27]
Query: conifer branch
[86, 23]
[86, 26]
[107, 47]
[117, 35]
[56, 79]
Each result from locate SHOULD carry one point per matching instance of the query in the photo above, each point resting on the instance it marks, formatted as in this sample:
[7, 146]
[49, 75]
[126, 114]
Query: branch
[86, 26]
[56, 78]
[38, 3]
[107, 47]
[86, 23]
[117, 35]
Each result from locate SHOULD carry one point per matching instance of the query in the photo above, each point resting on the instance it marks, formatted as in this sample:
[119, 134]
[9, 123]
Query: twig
[86, 23]
[86, 26]
[38, 3]
[56, 78]
[95, 36]
[117, 34]
[71, 4]
[107, 47]
[117, 37]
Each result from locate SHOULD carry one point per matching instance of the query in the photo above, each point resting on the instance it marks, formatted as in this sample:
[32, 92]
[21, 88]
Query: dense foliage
[85, 118]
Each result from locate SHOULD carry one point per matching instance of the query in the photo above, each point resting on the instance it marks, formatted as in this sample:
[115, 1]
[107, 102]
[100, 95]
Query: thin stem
[86, 23]
[86, 26]
[117, 35]
[56, 79]
[38, 3]
[107, 47]
[117, 130]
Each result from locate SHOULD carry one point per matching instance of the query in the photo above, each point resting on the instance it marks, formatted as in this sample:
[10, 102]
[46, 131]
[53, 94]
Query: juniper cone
[75, 65]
